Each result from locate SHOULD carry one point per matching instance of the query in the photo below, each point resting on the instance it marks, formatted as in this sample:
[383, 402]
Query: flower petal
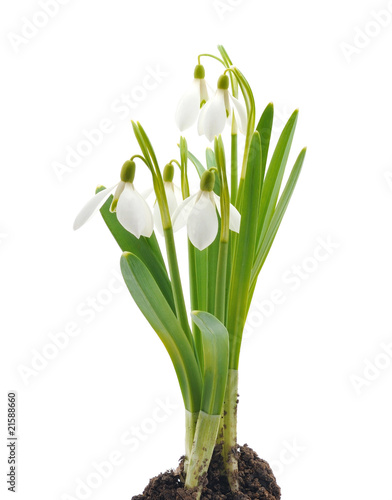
[212, 117]
[116, 196]
[157, 218]
[189, 106]
[234, 219]
[202, 222]
[133, 213]
[240, 114]
[234, 215]
[183, 210]
[203, 92]
[172, 199]
[145, 194]
[91, 207]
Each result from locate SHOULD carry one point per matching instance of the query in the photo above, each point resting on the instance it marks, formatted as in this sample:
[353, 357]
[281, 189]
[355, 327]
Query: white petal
[189, 106]
[116, 196]
[183, 210]
[234, 215]
[178, 194]
[235, 219]
[172, 200]
[240, 114]
[133, 213]
[200, 122]
[171, 197]
[212, 117]
[145, 194]
[203, 92]
[202, 222]
[157, 218]
[91, 207]
[227, 103]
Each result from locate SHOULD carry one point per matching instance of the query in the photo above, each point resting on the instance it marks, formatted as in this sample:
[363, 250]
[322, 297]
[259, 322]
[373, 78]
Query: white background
[301, 363]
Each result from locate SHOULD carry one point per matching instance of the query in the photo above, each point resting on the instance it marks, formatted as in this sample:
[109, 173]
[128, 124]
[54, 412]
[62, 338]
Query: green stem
[234, 166]
[220, 291]
[194, 294]
[190, 429]
[229, 430]
[176, 282]
[210, 55]
[205, 438]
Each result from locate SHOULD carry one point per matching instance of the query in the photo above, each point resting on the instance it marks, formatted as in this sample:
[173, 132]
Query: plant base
[257, 481]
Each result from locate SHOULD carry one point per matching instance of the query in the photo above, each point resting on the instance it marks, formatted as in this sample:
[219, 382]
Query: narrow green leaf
[264, 128]
[216, 361]
[159, 314]
[244, 254]
[274, 177]
[277, 219]
[147, 249]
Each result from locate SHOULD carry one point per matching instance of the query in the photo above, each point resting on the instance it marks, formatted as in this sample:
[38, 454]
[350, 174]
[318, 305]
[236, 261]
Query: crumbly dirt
[255, 475]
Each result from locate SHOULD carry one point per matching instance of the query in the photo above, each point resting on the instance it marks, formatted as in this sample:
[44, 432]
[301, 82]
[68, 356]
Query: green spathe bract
[204, 347]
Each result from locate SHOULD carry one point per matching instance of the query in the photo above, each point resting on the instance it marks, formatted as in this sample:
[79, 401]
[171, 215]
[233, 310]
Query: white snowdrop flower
[194, 98]
[173, 195]
[131, 208]
[198, 213]
[214, 114]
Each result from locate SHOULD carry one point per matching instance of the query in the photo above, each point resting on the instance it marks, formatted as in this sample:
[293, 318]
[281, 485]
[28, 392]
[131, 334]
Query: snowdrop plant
[232, 219]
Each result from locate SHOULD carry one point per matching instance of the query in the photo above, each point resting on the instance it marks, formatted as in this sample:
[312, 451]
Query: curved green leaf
[264, 128]
[216, 361]
[243, 256]
[159, 314]
[274, 177]
[147, 249]
[276, 220]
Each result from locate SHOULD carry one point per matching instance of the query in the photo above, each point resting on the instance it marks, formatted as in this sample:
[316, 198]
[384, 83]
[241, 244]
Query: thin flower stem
[210, 55]
[234, 167]
[175, 161]
[141, 158]
[221, 275]
[148, 151]
[228, 63]
[176, 282]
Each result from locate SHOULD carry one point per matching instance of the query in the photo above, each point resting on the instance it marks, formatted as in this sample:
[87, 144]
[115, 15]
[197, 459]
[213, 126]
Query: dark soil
[256, 481]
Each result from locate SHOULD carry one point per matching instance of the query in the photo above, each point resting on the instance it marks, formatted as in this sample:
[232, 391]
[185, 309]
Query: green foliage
[215, 361]
[147, 249]
[161, 317]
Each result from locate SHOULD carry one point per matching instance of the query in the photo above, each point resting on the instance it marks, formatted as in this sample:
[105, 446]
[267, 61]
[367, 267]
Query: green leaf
[159, 314]
[244, 254]
[276, 219]
[200, 170]
[147, 249]
[274, 177]
[264, 128]
[216, 361]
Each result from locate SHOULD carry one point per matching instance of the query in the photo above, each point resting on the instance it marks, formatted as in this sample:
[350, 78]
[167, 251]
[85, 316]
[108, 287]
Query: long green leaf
[147, 249]
[264, 128]
[244, 254]
[274, 177]
[276, 219]
[216, 361]
[158, 313]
